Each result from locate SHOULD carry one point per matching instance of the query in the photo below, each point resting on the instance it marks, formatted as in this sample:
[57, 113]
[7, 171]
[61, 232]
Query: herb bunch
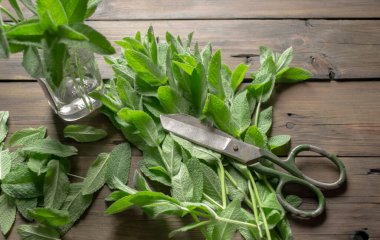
[223, 197]
[51, 36]
[34, 179]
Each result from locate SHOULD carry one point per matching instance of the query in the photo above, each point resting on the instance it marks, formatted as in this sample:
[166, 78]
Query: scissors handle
[290, 166]
[287, 179]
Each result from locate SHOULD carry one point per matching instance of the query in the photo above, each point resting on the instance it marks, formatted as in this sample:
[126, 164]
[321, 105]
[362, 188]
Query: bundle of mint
[222, 197]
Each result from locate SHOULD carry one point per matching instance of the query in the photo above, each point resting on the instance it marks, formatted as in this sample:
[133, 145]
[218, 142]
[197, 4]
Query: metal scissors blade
[195, 131]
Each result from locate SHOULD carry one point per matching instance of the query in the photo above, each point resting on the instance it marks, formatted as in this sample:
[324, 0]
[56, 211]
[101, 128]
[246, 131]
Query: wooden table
[338, 40]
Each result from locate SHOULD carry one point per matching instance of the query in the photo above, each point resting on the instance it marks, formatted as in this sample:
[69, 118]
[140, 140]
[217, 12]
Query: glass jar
[71, 100]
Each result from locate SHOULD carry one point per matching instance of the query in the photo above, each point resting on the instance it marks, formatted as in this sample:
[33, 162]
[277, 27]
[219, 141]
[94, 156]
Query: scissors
[193, 130]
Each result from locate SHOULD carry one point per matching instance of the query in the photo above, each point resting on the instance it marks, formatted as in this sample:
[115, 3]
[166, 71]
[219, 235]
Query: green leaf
[285, 59]
[284, 229]
[50, 146]
[96, 43]
[265, 120]
[146, 69]
[31, 232]
[171, 101]
[4, 115]
[30, 6]
[129, 43]
[76, 204]
[75, 10]
[23, 205]
[66, 32]
[206, 56]
[26, 135]
[96, 175]
[7, 213]
[214, 75]
[143, 123]
[91, 7]
[140, 183]
[211, 184]
[38, 165]
[172, 156]
[239, 191]
[279, 144]
[107, 101]
[140, 199]
[150, 163]
[262, 87]
[294, 200]
[293, 75]
[84, 133]
[182, 185]
[195, 169]
[265, 54]
[119, 164]
[224, 230]
[32, 62]
[4, 45]
[17, 9]
[240, 111]
[21, 183]
[128, 95]
[24, 29]
[56, 185]
[256, 137]
[238, 75]
[51, 12]
[50, 217]
[221, 115]
[5, 163]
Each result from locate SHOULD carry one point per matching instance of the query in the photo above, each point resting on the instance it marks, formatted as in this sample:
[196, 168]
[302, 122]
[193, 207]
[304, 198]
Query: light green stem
[222, 183]
[260, 206]
[208, 198]
[251, 225]
[4, 10]
[254, 207]
[76, 176]
[257, 114]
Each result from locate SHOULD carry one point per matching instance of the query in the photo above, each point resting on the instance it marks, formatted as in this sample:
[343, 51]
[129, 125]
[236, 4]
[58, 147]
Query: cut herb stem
[254, 207]
[222, 183]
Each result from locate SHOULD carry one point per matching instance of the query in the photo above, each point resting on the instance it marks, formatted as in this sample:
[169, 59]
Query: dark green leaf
[211, 184]
[128, 95]
[50, 217]
[294, 200]
[76, 204]
[32, 62]
[21, 183]
[96, 175]
[221, 115]
[66, 32]
[195, 169]
[56, 185]
[4, 115]
[172, 156]
[84, 133]
[31, 232]
[7, 213]
[23, 205]
[4, 45]
[50, 146]
[140, 183]
[37, 164]
[279, 144]
[223, 230]
[119, 164]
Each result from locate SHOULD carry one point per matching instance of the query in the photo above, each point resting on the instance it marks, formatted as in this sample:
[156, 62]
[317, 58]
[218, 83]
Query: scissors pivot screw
[236, 148]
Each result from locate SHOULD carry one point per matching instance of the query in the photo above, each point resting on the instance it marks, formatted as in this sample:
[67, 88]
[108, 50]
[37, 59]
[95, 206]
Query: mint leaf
[56, 185]
[240, 111]
[66, 32]
[293, 75]
[5, 163]
[4, 45]
[172, 156]
[140, 183]
[30, 232]
[182, 185]
[171, 101]
[76, 204]
[7, 213]
[96, 175]
[50, 217]
[23, 205]
[119, 164]
[265, 120]
[214, 75]
[50, 146]
[51, 13]
[146, 69]
[4, 115]
[224, 230]
[238, 76]
[143, 123]
[255, 137]
[285, 59]
[280, 144]
[195, 169]
[38, 164]
[262, 87]
[26, 28]
[221, 115]
[32, 62]
[211, 184]
[26, 135]
[294, 200]
[128, 95]
[91, 7]
[75, 10]
[84, 133]
[21, 183]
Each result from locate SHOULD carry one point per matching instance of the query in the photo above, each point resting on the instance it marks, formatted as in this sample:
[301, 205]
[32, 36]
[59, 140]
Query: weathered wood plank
[342, 117]
[339, 49]
[232, 9]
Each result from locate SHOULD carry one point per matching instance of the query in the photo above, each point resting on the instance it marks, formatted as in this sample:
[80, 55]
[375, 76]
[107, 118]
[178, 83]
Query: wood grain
[234, 9]
[341, 117]
[330, 49]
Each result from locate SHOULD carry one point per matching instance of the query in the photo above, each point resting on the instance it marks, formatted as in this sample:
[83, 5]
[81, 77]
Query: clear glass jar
[71, 100]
